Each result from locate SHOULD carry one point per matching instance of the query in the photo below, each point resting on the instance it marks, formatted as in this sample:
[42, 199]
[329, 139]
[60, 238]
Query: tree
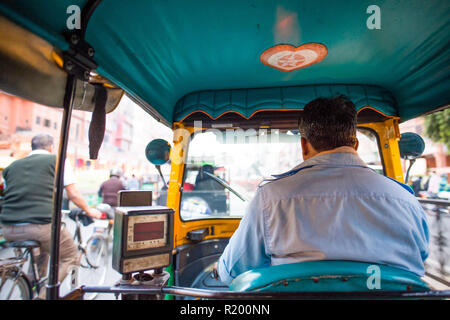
[437, 127]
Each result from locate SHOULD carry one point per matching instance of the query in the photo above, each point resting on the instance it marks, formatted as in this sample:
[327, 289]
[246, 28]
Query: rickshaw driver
[330, 207]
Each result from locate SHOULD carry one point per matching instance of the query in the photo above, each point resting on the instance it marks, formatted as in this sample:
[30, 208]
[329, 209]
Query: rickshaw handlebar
[212, 294]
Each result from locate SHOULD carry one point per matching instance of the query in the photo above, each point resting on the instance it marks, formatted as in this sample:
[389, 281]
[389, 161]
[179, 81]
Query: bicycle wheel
[94, 264]
[15, 286]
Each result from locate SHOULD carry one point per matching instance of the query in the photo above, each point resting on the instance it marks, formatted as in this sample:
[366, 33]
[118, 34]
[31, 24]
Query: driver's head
[326, 124]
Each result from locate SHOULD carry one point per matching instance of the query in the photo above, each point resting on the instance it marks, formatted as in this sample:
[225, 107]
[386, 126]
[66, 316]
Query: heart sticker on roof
[286, 57]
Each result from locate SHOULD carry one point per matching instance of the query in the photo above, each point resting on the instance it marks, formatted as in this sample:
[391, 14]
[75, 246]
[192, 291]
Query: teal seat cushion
[328, 276]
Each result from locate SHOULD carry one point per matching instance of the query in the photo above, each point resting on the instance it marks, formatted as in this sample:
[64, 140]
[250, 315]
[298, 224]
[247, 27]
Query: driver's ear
[356, 144]
[305, 147]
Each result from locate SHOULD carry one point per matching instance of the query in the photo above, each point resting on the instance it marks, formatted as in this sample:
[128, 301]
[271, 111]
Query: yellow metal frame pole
[389, 135]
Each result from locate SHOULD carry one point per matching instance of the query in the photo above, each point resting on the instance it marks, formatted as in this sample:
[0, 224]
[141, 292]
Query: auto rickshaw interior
[230, 78]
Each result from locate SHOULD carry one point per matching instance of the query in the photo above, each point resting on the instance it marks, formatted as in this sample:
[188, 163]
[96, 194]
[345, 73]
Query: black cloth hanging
[98, 122]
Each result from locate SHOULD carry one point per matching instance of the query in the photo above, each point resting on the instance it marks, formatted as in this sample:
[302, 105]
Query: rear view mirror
[158, 151]
[411, 145]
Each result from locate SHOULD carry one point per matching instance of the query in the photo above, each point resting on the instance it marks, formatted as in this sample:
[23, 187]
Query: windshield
[224, 168]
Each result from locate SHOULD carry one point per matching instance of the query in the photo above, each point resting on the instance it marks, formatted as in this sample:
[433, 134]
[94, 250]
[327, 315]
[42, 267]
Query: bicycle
[16, 284]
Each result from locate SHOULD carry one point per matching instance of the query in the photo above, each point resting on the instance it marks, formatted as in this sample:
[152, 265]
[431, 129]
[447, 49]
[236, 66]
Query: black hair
[329, 123]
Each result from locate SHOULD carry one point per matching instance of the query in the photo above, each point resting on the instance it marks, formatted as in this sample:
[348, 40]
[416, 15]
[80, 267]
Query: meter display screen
[147, 231]
[143, 237]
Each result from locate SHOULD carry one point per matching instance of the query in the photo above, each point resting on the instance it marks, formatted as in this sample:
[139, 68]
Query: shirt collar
[38, 151]
[343, 149]
[339, 157]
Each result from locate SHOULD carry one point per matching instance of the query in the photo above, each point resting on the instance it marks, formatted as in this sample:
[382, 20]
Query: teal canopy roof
[181, 56]
[248, 102]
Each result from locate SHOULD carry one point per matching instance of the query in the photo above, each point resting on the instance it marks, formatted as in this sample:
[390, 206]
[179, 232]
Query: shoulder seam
[266, 234]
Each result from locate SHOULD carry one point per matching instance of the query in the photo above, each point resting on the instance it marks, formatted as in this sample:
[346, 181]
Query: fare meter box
[143, 238]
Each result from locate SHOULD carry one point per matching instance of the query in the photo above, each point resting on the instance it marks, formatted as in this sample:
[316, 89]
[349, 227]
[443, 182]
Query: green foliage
[437, 127]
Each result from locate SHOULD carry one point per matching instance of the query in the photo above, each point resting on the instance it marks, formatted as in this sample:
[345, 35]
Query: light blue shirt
[331, 207]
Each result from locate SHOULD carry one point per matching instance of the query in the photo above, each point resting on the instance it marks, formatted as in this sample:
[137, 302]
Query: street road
[112, 276]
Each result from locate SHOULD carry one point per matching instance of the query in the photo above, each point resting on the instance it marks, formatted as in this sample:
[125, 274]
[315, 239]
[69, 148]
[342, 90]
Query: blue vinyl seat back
[328, 276]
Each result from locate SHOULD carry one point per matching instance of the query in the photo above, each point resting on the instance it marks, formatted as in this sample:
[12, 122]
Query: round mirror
[158, 151]
[411, 145]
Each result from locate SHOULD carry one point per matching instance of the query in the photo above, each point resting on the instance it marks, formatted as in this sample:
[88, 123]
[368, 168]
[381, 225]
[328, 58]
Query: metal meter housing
[143, 238]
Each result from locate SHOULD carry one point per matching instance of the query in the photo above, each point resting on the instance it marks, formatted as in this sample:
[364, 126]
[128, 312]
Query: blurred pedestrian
[434, 184]
[133, 183]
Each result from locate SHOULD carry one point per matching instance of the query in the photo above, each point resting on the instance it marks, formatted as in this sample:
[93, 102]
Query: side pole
[53, 283]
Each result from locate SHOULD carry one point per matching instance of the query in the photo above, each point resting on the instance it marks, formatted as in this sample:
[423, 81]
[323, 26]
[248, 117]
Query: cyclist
[108, 190]
[27, 204]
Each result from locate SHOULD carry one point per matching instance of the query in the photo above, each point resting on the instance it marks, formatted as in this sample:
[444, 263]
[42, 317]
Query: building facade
[128, 130]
